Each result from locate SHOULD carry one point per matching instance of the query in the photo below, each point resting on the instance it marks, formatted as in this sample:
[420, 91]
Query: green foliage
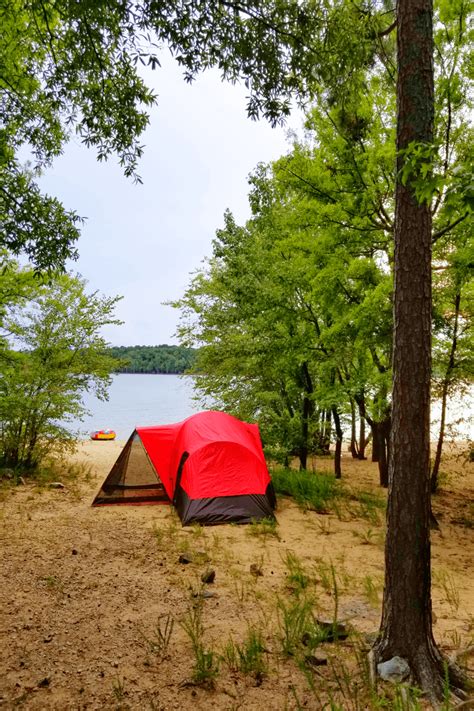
[159, 642]
[248, 657]
[264, 528]
[153, 359]
[53, 353]
[66, 68]
[317, 492]
[296, 625]
[206, 665]
[297, 579]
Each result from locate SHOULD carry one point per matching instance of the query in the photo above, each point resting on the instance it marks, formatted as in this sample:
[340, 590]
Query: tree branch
[446, 229]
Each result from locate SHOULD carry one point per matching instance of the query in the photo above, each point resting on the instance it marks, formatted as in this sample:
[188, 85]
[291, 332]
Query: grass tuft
[316, 492]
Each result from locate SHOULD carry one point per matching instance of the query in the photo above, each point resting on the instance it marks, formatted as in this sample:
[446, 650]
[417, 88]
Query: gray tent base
[244, 508]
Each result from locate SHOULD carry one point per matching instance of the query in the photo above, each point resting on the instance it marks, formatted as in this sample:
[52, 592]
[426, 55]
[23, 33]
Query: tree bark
[354, 449]
[362, 439]
[337, 455]
[406, 626]
[308, 409]
[381, 434]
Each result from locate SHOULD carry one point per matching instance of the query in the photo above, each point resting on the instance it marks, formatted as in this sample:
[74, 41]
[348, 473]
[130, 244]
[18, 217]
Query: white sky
[144, 241]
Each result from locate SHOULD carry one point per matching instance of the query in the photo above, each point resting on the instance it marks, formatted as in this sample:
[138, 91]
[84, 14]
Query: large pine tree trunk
[406, 627]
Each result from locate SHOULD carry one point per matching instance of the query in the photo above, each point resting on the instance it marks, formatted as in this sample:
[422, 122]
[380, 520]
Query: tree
[56, 353]
[64, 67]
[406, 628]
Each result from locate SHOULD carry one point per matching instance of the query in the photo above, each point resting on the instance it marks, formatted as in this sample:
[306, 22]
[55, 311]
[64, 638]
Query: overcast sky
[143, 241]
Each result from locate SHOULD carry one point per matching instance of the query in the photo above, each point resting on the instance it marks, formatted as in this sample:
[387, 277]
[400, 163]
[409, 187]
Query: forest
[153, 359]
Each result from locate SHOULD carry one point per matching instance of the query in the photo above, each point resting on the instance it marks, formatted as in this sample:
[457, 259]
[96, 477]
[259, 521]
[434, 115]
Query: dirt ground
[88, 595]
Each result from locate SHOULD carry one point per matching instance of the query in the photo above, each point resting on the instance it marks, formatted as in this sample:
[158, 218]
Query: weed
[324, 577]
[118, 689]
[371, 590]
[450, 589]
[159, 534]
[368, 537]
[297, 579]
[316, 492]
[370, 506]
[173, 527]
[206, 665]
[328, 577]
[247, 657]
[241, 590]
[265, 527]
[297, 626]
[52, 582]
[324, 525]
[159, 642]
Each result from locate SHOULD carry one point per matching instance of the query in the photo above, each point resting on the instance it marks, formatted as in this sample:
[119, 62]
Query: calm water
[140, 400]
[160, 399]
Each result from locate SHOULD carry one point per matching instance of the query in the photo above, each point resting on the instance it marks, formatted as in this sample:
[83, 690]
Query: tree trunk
[444, 396]
[308, 409]
[375, 441]
[337, 455]
[353, 446]
[406, 626]
[327, 433]
[362, 439]
[382, 457]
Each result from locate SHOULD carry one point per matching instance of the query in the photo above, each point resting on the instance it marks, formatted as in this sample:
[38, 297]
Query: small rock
[56, 485]
[333, 630]
[315, 661]
[256, 569]
[205, 594]
[48, 638]
[44, 682]
[395, 670]
[74, 551]
[185, 558]
[208, 576]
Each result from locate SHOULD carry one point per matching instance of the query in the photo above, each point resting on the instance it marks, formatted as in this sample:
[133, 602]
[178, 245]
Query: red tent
[211, 466]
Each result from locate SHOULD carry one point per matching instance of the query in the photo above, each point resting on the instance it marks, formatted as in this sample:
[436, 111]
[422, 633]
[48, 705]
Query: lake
[160, 399]
[139, 400]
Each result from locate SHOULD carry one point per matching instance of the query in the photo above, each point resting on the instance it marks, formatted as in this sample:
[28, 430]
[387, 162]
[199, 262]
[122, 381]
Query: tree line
[153, 359]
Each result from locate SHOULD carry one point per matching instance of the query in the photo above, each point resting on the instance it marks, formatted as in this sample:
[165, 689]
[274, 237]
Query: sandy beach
[87, 592]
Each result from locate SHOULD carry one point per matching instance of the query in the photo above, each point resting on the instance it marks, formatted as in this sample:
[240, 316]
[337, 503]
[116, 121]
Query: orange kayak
[103, 434]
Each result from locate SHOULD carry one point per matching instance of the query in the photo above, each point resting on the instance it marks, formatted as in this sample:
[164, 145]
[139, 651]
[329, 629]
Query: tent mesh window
[133, 478]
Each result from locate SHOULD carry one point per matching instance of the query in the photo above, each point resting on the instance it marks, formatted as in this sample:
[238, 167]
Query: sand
[86, 594]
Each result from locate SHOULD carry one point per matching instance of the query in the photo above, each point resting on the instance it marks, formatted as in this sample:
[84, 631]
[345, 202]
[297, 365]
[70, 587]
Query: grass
[158, 642]
[449, 588]
[118, 689]
[296, 625]
[315, 492]
[297, 579]
[372, 591]
[264, 527]
[369, 505]
[369, 537]
[249, 657]
[206, 661]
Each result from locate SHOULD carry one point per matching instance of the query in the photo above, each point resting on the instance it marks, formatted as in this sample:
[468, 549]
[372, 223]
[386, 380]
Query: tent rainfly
[210, 466]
